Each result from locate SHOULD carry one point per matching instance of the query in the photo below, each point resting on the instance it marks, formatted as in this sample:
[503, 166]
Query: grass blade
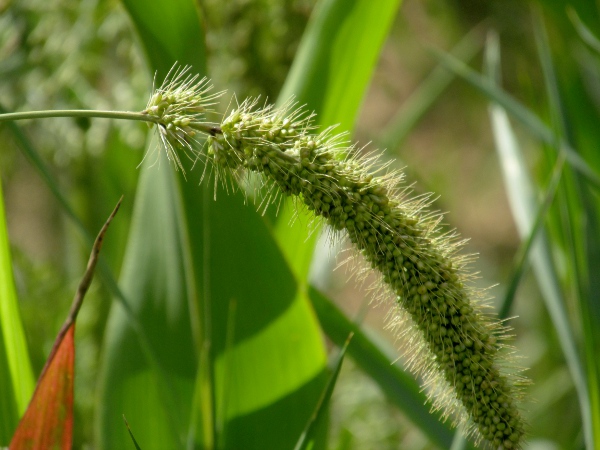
[336, 57]
[583, 31]
[307, 438]
[586, 251]
[16, 376]
[521, 113]
[137, 447]
[421, 100]
[523, 204]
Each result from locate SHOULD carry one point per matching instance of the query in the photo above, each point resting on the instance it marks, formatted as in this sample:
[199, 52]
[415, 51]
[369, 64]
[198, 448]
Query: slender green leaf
[430, 89]
[336, 57]
[584, 32]
[16, 376]
[532, 122]
[587, 251]
[137, 447]
[540, 216]
[521, 194]
[307, 438]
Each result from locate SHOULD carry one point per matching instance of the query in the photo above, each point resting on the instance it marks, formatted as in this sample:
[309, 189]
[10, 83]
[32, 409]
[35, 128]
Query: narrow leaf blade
[16, 376]
[307, 439]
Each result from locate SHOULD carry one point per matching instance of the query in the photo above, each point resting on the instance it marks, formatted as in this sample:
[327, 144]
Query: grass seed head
[180, 106]
[453, 343]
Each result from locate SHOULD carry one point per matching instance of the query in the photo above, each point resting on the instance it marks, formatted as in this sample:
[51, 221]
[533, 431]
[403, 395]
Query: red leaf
[48, 421]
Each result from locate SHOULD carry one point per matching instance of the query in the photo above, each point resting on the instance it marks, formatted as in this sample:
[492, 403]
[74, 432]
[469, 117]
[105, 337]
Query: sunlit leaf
[16, 377]
[189, 259]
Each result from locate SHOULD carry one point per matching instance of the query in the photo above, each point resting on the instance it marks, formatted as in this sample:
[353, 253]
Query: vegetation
[211, 336]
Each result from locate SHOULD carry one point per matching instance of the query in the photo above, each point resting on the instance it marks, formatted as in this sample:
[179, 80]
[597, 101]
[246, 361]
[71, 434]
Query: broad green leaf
[189, 259]
[337, 56]
[154, 393]
[170, 32]
[266, 346]
[16, 376]
[398, 386]
[154, 400]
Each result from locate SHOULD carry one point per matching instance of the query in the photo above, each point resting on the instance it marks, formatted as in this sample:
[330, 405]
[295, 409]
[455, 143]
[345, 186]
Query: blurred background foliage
[68, 54]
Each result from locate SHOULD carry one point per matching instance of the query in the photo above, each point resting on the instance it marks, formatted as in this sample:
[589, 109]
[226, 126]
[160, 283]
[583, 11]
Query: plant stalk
[100, 114]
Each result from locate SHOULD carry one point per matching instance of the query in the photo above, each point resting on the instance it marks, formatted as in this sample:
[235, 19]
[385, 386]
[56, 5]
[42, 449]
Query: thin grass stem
[99, 114]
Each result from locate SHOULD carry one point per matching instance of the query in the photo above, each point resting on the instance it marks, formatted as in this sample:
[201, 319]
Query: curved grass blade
[583, 31]
[586, 251]
[532, 122]
[16, 376]
[307, 438]
[523, 203]
[421, 100]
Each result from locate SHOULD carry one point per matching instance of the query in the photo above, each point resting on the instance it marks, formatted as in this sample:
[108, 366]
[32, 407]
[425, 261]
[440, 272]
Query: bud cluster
[179, 107]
